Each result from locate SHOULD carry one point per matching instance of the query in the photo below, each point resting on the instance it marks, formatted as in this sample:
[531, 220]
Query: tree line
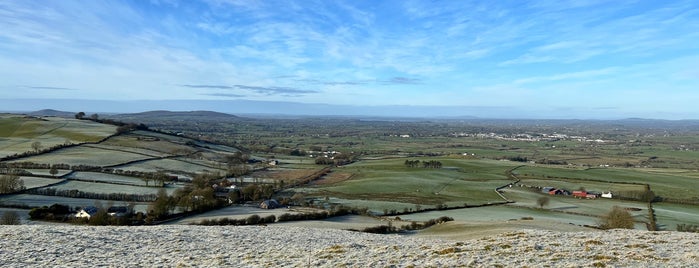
[74, 193]
[423, 164]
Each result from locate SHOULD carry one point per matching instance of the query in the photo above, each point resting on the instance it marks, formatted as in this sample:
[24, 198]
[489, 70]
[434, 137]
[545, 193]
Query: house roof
[90, 210]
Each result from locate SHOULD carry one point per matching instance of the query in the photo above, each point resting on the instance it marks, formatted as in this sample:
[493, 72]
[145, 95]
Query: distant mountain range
[213, 116]
[170, 115]
[295, 109]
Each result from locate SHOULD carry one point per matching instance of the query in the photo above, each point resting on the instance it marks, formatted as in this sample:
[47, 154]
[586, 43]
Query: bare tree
[36, 146]
[10, 218]
[53, 171]
[543, 201]
[10, 183]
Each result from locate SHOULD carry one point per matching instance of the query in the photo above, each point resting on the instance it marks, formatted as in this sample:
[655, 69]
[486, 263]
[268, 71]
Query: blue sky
[544, 59]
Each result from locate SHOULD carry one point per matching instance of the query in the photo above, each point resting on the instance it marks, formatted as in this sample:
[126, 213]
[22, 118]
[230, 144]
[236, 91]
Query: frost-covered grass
[274, 246]
[47, 172]
[17, 133]
[106, 188]
[169, 165]
[108, 178]
[34, 182]
[84, 156]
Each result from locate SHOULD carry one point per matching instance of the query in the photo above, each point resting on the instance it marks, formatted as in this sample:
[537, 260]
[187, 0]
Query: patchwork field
[173, 166]
[681, 185]
[83, 155]
[18, 133]
[389, 183]
[108, 188]
[108, 178]
[36, 182]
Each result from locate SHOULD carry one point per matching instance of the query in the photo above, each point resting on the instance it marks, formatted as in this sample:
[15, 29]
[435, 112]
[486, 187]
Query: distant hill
[51, 112]
[160, 115]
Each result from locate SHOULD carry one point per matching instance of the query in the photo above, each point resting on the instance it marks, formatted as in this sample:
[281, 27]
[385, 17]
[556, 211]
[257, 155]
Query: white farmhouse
[87, 212]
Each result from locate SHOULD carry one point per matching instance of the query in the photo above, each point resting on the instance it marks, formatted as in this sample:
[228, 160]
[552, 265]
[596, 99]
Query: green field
[390, 184]
[17, 133]
[670, 183]
[108, 178]
[84, 155]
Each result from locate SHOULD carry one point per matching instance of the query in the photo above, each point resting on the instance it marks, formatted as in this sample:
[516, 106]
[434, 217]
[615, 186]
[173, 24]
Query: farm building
[87, 212]
[269, 204]
[580, 194]
[559, 192]
[585, 194]
[119, 211]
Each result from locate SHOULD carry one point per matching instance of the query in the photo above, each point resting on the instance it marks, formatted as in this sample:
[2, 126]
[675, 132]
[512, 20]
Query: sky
[515, 59]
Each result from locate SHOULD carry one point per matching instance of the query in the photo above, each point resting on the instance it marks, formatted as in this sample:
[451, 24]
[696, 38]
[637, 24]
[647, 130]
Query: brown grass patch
[332, 177]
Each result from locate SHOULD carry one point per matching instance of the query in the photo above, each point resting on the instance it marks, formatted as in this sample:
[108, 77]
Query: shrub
[10, 218]
[617, 218]
[253, 219]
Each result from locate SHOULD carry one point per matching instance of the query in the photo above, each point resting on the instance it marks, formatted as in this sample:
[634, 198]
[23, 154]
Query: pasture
[83, 155]
[107, 178]
[378, 184]
[17, 133]
[37, 182]
[173, 166]
[670, 183]
[108, 188]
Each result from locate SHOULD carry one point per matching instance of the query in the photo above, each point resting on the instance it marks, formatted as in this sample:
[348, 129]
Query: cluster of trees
[74, 193]
[10, 183]
[424, 164]
[644, 195]
[387, 229]
[551, 162]
[121, 126]
[52, 213]
[517, 158]
[200, 196]
[255, 219]
[251, 220]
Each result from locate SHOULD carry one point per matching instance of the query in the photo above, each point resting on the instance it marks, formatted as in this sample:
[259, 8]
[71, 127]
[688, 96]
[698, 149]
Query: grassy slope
[17, 133]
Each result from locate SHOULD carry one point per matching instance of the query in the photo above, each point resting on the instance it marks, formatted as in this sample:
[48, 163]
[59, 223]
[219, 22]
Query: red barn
[580, 194]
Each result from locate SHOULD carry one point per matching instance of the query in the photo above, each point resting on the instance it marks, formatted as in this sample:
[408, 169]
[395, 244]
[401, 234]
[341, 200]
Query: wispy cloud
[209, 86]
[285, 91]
[49, 88]
[227, 95]
[402, 81]
[568, 76]
[330, 51]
